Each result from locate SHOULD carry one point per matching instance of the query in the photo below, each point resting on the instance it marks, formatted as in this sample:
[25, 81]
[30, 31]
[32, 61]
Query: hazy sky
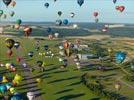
[34, 10]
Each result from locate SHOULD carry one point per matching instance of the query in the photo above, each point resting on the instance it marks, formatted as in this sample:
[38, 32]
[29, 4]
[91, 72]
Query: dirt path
[31, 84]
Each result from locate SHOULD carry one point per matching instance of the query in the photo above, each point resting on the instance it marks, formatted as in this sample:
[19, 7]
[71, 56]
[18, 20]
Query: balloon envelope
[120, 56]
[65, 21]
[9, 43]
[80, 2]
[46, 5]
[58, 22]
[7, 2]
[19, 21]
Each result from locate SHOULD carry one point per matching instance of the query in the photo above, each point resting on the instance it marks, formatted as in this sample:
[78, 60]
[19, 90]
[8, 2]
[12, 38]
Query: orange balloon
[66, 45]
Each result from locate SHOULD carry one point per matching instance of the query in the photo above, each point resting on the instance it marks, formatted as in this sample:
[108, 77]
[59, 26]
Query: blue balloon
[65, 21]
[114, 1]
[46, 5]
[58, 22]
[3, 88]
[120, 56]
[49, 30]
[80, 2]
[1, 78]
[16, 97]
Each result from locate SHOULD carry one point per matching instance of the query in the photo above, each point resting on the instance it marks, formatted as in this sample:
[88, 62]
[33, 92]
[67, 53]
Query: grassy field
[57, 84]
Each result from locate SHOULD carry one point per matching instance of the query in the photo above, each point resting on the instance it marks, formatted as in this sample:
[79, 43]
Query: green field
[57, 83]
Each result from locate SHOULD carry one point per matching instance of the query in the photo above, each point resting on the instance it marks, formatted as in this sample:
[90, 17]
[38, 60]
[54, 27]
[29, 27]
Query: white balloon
[56, 35]
[75, 26]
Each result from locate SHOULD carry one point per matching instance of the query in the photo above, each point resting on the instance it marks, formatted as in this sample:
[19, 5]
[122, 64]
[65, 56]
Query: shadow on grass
[75, 83]
[96, 98]
[71, 96]
[63, 91]
[63, 79]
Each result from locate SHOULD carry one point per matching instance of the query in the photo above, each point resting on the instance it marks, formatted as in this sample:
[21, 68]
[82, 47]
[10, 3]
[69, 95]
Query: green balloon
[18, 21]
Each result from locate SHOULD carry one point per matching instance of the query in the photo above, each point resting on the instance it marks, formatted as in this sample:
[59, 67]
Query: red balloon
[9, 53]
[121, 8]
[18, 59]
[96, 14]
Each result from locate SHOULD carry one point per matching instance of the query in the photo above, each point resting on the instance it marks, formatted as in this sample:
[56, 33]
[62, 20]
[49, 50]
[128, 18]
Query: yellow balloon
[4, 80]
[17, 78]
[12, 90]
[8, 65]
[39, 80]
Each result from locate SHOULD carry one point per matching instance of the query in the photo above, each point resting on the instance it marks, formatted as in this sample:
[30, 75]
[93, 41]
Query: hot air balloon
[13, 3]
[7, 2]
[80, 2]
[17, 78]
[9, 53]
[65, 21]
[75, 26]
[59, 13]
[12, 90]
[16, 45]
[39, 80]
[16, 26]
[50, 36]
[39, 63]
[46, 47]
[18, 21]
[114, 1]
[9, 43]
[16, 97]
[120, 56]
[12, 13]
[46, 5]
[18, 59]
[30, 95]
[8, 85]
[95, 14]
[72, 14]
[120, 8]
[27, 31]
[49, 29]
[66, 45]
[56, 35]
[30, 54]
[3, 88]
[58, 22]
[1, 13]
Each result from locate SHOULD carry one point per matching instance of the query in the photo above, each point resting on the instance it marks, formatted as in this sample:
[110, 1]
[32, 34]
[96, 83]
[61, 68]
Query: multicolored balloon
[9, 43]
